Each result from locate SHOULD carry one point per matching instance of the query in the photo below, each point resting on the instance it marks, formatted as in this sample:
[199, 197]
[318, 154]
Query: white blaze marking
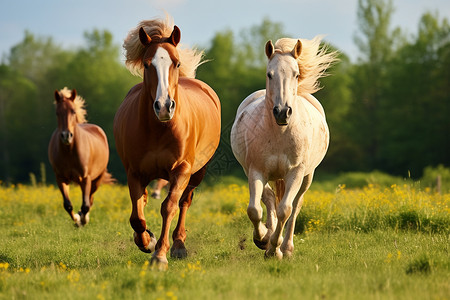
[162, 61]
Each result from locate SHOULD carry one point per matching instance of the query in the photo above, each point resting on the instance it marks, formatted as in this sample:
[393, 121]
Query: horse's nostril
[289, 112]
[276, 111]
[157, 106]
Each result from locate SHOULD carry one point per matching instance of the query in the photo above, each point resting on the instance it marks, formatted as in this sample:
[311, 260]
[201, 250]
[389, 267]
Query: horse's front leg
[178, 182]
[287, 247]
[64, 188]
[143, 238]
[83, 214]
[284, 211]
[254, 210]
[178, 249]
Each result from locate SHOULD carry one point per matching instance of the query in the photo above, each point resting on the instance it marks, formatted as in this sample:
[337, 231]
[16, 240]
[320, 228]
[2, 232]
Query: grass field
[369, 243]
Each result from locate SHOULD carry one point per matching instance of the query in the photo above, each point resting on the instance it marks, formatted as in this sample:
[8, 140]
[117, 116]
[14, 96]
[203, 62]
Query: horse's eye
[72, 111]
[178, 65]
[297, 76]
[269, 75]
[146, 65]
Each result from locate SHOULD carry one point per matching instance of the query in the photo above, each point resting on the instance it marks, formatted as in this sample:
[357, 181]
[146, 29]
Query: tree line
[387, 111]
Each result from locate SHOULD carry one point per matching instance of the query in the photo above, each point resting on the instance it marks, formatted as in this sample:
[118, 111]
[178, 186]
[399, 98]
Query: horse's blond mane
[80, 111]
[190, 58]
[312, 62]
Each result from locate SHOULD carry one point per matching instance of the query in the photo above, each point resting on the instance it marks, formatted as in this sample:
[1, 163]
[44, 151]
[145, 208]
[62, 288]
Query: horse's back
[246, 126]
[197, 90]
[97, 134]
[94, 150]
[203, 111]
[249, 100]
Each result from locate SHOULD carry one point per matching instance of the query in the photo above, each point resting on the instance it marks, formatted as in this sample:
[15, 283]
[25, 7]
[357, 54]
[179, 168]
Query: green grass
[43, 256]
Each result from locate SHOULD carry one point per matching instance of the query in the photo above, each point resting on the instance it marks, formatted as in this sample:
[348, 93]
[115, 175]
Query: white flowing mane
[312, 62]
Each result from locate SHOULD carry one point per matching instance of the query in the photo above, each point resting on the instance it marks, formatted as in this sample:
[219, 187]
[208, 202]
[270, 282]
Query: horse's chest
[71, 169]
[278, 153]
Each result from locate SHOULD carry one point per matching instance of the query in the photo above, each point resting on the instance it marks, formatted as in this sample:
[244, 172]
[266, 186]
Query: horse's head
[66, 112]
[161, 71]
[282, 80]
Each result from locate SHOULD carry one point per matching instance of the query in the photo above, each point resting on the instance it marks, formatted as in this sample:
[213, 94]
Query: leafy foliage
[388, 111]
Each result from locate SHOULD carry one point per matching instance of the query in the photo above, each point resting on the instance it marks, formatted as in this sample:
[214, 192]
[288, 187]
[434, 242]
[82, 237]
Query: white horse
[279, 136]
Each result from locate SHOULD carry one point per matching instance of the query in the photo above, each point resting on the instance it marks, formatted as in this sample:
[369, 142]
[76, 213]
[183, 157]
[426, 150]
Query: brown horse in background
[78, 152]
[167, 127]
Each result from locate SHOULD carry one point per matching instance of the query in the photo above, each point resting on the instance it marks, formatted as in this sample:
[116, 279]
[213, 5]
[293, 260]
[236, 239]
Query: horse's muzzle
[282, 114]
[66, 137]
[164, 112]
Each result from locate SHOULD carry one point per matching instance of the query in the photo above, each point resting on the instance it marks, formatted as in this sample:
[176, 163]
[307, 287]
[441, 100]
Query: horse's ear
[297, 49]
[74, 94]
[269, 49]
[143, 37]
[57, 96]
[175, 37]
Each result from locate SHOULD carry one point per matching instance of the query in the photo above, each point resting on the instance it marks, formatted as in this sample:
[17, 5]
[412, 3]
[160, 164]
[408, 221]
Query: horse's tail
[280, 187]
[107, 178]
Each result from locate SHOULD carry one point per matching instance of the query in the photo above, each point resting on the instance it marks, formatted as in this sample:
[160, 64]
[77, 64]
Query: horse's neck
[145, 107]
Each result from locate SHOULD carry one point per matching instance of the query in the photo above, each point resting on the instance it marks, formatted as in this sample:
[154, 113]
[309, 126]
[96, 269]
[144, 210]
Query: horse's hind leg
[287, 247]
[159, 185]
[64, 188]
[178, 249]
[269, 200]
[284, 210]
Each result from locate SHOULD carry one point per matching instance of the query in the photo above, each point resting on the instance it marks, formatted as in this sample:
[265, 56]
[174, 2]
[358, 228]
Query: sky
[199, 20]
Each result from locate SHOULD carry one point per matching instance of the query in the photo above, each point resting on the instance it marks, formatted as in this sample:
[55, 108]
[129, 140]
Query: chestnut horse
[280, 135]
[167, 127]
[78, 152]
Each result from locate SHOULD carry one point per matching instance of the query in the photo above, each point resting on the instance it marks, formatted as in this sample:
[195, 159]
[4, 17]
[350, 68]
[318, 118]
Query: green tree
[375, 41]
[25, 103]
[336, 98]
[416, 134]
[19, 126]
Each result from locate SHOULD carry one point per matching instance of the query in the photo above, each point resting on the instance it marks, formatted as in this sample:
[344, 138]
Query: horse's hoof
[158, 263]
[151, 245]
[84, 218]
[178, 252]
[287, 251]
[263, 245]
[270, 253]
[77, 220]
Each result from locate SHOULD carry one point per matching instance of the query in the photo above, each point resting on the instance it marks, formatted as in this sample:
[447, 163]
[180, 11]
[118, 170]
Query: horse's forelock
[312, 62]
[78, 102]
[160, 29]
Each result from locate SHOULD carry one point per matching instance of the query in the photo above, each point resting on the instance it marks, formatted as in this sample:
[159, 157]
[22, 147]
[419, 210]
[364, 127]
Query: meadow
[374, 242]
